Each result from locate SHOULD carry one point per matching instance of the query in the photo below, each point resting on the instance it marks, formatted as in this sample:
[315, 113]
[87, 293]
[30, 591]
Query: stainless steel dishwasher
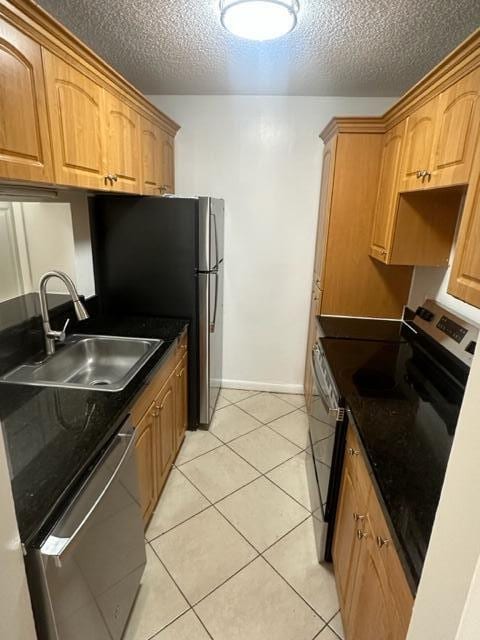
[85, 575]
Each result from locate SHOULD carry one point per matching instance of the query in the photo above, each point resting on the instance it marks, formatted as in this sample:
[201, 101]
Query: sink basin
[104, 363]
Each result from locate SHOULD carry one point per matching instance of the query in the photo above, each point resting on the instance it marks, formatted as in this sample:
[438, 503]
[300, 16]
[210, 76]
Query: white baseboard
[263, 386]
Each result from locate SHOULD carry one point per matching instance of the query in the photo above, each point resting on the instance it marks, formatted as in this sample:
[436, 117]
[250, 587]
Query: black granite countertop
[405, 411]
[54, 435]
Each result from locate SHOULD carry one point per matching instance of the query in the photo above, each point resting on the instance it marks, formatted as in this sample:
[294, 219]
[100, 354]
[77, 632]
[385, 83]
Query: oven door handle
[322, 394]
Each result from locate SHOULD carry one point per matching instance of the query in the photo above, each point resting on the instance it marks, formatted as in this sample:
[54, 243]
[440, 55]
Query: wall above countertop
[263, 155]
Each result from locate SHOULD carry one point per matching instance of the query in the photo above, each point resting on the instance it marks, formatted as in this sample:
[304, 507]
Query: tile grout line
[298, 594]
[259, 554]
[228, 495]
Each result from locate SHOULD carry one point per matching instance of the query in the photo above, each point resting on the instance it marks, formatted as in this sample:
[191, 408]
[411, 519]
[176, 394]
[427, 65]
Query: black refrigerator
[163, 256]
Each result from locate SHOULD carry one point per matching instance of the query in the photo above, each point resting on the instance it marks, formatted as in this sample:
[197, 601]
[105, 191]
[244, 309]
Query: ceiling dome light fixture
[259, 19]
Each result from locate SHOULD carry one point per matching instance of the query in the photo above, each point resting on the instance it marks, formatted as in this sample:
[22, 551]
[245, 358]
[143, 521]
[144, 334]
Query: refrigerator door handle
[216, 238]
[214, 321]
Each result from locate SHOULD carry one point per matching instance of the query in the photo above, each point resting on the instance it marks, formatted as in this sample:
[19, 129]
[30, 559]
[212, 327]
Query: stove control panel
[452, 329]
[453, 332]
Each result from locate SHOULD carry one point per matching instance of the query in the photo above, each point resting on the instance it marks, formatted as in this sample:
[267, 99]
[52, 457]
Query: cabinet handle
[361, 535]
[419, 174]
[114, 177]
[358, 518]
[163, 188]
[383, 542]
[383, 252]
[353, 452]
[109, 177]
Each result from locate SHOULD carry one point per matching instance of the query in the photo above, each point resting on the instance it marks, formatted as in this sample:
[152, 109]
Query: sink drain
[100, 383]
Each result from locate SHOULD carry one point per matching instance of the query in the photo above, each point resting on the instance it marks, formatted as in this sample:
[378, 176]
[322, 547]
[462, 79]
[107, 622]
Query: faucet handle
[63, 332]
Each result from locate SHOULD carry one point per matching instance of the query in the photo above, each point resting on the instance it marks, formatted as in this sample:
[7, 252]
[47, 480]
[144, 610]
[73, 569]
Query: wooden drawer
[159, 379]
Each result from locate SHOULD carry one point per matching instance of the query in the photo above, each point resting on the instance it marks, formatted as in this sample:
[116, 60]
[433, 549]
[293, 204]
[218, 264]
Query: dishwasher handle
[90, 495]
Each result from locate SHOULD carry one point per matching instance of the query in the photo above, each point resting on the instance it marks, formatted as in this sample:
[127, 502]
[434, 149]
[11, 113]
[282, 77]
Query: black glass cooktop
[359, 328]
[405, 406]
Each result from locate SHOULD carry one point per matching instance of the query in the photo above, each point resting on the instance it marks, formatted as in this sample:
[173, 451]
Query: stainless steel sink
[104, 363]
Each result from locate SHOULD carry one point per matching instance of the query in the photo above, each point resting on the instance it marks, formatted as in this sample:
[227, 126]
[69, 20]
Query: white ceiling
[339, 48]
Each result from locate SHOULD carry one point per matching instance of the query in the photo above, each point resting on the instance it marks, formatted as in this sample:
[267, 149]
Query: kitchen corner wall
[262, 154]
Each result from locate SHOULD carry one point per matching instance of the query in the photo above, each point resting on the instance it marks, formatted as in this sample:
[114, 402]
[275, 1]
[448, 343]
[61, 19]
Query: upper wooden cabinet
[458, 122]
[69, 119]
[75, 104]
[151, 141]
[167, 164]
[387, 197]
[441, 137]
[122, 144]
[465, 277]
[25, 152]
[417, 153]
[158, 173]
[351, 282]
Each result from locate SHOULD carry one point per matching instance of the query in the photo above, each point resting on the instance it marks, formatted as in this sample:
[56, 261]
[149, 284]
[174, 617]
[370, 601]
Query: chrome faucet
[51, 336]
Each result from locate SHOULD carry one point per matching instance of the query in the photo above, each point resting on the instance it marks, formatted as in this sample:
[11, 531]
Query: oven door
[327, 427]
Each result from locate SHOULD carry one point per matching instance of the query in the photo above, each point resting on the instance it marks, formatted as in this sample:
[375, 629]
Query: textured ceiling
[339, 48]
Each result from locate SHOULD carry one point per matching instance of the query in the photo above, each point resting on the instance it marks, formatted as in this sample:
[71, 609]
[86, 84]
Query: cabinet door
[326, 189]
[457, 132]
[419, 140]
[167, 163]
[371, 604]
[465, 278]
[145, 451]
[345, 547]
[151, 141]
[387, 198]
[165, 439]
[24, 133]
[75, 109]
[391, 572]
[181, 401]
[122, 124]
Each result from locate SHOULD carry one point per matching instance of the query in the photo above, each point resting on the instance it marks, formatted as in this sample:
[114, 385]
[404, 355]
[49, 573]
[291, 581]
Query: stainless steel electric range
[402, 383]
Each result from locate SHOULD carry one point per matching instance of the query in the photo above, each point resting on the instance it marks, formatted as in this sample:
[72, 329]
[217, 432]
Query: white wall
[454, 548]
[470, 622]
[16, 619]
[54, 234]
[263, 156]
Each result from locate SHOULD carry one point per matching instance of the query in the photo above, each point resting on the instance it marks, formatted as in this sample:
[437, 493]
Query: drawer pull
[361, 535]
[353, 452]
[358, 518]
[383, 542]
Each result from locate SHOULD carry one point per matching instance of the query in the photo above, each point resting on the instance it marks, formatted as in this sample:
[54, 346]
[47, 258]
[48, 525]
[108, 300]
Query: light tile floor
[231, 549]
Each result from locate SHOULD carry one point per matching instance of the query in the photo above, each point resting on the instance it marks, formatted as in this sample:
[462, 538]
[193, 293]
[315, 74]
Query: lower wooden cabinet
[373, 590]
[145, 449]
[160, 417]
[165, 436]
[181, 412]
